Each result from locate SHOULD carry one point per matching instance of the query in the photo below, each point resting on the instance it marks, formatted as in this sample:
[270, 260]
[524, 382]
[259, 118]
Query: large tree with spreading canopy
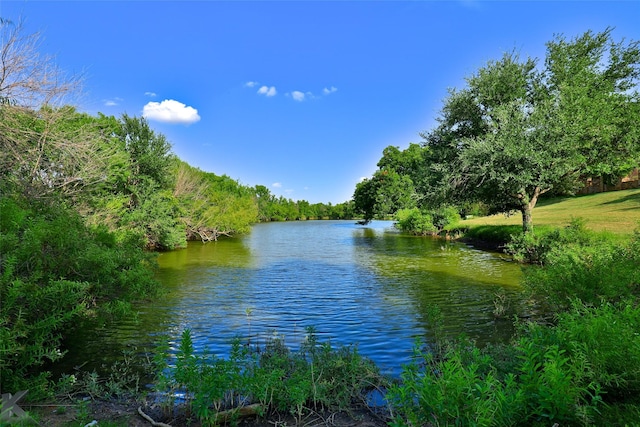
[520, 129]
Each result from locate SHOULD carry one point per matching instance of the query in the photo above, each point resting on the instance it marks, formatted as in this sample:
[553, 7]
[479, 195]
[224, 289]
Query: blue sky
[299, 96]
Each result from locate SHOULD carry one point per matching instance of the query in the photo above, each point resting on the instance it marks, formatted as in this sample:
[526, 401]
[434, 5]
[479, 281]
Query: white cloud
[297, 95]
[267, 91]
[112, 102]
[251, 84]
[329, 91]
[276, 185]
[170, 111]
[150, 94]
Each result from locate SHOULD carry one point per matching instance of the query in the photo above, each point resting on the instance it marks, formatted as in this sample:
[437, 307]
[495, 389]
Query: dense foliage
[579, 367]
[54, 271]
[271, 379]
[518, 130]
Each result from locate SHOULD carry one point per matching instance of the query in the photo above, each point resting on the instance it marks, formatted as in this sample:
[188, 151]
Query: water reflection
[369, 286]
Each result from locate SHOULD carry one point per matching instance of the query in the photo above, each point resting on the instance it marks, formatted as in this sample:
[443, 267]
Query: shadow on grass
[628, 198]
[554, 200]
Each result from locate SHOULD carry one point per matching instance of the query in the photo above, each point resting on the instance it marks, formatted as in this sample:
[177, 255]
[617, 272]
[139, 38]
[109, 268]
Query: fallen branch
[148, 418]
[223, 417]
[237, 413]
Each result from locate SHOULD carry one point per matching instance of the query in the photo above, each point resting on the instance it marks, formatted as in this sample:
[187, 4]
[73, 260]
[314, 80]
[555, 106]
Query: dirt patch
[118, 413]
[125, 413]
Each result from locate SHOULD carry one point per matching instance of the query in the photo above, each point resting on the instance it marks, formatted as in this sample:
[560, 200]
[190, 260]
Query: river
[369, 286]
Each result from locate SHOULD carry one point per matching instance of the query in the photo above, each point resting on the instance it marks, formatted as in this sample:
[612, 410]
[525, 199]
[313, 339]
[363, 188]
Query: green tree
[384, 194]
[516, 131]
[212, 205]
[264, 199]
[409, 162]
[149, 156]
[145, 185]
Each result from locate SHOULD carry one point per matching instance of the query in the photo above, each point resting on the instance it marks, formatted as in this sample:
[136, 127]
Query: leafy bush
[589, 273]
[458, 388]
[445, 216]
[54, 270]
[424, 222]
[415, 221]
[496, 235]
[471, 209]
[279, 380]
[536, 248]
[544, 377]
[464, 387]
[605, 337]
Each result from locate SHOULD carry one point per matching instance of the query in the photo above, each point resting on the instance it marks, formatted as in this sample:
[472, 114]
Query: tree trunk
[528, 203]
[527, 220]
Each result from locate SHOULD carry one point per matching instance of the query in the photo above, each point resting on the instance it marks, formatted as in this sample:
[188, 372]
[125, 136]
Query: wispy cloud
[276, 185]
[150, 94]
[329, 91]
[296, 95]
[170, 111]
[112, 102]
[267, 91]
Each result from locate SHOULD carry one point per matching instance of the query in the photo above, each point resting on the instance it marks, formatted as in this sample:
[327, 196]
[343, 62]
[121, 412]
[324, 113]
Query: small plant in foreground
[272, 379]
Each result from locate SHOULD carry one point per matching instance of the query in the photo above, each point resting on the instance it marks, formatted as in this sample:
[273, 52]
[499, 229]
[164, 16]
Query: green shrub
[605, 337]
[279, 380]
[555, 384]
[415, 221]
[445, 216]
[459, 388]
[539, 247]
[53, 271]
[589, 273]
[496, 234]
[425, 222]
[464, 386]
[473, 209]
[536, 380]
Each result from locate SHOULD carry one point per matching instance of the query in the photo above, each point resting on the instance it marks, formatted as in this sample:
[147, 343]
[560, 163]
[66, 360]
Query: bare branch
[29, 78]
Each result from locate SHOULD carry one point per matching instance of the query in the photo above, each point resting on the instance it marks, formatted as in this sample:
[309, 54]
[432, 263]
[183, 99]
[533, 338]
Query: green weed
[317, 376]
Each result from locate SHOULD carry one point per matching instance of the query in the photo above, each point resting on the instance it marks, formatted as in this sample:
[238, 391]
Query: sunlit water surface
[368, 286]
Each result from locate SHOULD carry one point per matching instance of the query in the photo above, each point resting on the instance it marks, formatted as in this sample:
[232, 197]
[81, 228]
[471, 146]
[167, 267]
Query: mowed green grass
[616, 212]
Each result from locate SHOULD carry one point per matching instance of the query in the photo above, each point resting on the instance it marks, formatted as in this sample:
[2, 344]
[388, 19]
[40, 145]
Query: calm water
[369, 286]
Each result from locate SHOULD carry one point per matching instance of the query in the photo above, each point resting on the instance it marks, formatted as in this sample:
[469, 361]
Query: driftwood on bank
[206, 234]
[148, 418]
[223, 417]
[238, 413]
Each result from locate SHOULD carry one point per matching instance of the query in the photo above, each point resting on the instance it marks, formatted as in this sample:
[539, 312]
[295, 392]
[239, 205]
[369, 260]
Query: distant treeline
[119, 173]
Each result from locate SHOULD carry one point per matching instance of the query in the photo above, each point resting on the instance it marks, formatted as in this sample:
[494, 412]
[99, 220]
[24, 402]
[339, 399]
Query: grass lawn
[616, 212]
